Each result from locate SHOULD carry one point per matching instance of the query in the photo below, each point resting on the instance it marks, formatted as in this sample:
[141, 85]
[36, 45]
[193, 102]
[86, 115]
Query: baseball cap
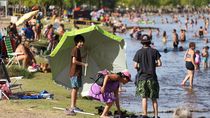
[127, 74]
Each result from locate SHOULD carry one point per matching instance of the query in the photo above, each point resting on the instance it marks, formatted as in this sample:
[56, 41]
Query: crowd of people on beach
[31, 31]
[145, 60]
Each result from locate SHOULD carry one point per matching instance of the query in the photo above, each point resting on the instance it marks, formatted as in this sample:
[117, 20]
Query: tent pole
[86, 66]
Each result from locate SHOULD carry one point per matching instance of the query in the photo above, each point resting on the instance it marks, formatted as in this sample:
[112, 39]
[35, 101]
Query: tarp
[105, 51]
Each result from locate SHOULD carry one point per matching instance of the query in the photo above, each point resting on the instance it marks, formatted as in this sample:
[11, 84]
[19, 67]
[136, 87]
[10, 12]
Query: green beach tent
[104, 51]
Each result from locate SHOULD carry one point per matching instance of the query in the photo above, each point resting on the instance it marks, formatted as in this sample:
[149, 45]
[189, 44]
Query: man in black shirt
[146, 60]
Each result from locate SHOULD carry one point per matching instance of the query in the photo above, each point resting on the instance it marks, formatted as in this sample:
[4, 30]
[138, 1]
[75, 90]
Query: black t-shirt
[146, 58]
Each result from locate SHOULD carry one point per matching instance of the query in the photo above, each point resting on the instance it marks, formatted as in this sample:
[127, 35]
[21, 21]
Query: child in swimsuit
[205, 56]
[197, 59]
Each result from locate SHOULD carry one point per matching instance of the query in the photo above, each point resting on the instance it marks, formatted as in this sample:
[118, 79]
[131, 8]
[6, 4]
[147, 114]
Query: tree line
[110, 3]
[159, 3]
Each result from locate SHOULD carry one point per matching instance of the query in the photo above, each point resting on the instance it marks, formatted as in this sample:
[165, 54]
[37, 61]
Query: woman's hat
[127, 74]
[145, 38]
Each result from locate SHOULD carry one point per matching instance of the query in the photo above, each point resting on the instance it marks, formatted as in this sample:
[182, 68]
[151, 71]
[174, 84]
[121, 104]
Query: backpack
[99, 79]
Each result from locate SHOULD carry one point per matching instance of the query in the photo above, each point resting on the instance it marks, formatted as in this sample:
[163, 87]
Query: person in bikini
[24, 54]
[201, 32]
[190, 64]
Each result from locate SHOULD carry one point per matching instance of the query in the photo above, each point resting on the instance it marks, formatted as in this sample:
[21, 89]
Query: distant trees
[110, 3]
[196, 3]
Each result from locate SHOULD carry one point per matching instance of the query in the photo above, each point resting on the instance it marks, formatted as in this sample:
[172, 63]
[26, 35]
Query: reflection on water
[170, 75]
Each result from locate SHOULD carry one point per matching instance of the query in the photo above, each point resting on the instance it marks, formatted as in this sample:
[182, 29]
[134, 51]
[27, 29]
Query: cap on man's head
[145, 38]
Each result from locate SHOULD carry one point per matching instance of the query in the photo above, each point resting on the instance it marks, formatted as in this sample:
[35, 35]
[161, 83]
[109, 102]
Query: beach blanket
[42, 95]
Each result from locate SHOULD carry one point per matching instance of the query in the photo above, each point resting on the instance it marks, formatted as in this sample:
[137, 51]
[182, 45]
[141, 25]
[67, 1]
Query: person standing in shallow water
[190, 64]
[146, 60]
[175, 39]
[197, 59]
[182, 36]
[164, 39]
[201, 32]
[205, 56]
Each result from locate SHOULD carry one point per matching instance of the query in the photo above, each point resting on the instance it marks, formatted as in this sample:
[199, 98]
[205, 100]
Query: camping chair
[2, 93]
[11, 54]
[13, 85]
[4, 77]
[4, 89]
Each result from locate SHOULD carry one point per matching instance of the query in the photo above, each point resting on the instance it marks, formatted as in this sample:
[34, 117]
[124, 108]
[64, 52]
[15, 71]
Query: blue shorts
[76, 82]
[205, 59]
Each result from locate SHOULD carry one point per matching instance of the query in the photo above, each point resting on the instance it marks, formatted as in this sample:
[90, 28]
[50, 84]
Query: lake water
[170, 75]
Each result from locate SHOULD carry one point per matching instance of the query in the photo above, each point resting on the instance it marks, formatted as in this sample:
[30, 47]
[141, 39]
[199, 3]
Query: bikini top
[187, 55]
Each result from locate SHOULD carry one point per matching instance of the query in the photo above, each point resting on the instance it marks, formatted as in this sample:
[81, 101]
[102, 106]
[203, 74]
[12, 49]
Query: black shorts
[189, 65]
[175, 45]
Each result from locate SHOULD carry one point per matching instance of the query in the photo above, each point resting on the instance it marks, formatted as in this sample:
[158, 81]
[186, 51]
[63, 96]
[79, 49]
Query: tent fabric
[105, 51]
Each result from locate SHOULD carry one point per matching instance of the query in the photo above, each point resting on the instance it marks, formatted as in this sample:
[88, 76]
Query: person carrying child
[108, 91]
[205, 56]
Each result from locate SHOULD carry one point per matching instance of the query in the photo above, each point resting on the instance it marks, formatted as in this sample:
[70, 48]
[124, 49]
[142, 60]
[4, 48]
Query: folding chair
[4, 88]
[10, 52]
[4, 77]
[3, 94]
[12, 86]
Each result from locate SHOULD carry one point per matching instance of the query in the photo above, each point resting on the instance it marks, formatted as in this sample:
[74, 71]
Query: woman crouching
[108, 91]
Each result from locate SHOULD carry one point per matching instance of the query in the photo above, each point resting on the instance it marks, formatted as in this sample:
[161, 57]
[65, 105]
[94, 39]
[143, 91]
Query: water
[170, 75]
